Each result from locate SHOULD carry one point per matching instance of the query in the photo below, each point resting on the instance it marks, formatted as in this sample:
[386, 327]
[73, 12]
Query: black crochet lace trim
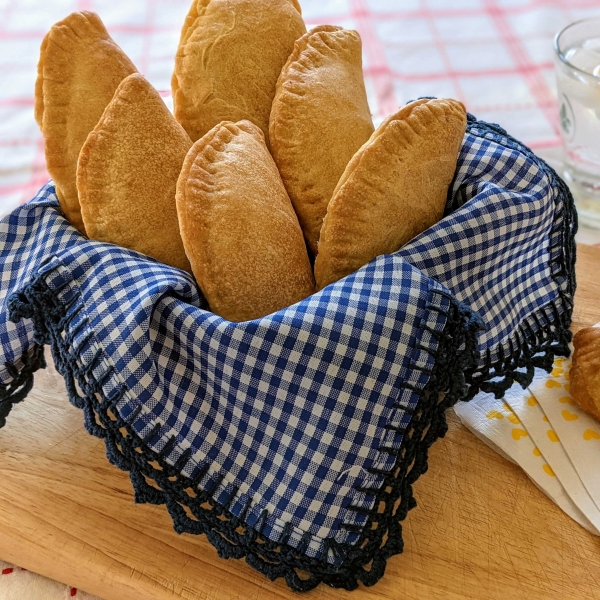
[194, 511]
[17, 390]
[539, 339]
[545, 334]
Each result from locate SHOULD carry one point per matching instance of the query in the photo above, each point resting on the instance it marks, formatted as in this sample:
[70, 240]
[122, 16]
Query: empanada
[319, 120]
[394, 188]
[239, 227]
[229, 58]
[80, 68]
[585, 371]
[127, 174]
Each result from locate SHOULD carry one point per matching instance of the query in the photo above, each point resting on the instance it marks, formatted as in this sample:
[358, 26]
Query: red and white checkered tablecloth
[496, 56]
[20, 584]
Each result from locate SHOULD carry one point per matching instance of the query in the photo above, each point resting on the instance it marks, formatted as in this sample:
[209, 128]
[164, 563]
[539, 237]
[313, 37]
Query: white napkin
[544, 432]
[579, 433]
[548, 443]
[499, 427]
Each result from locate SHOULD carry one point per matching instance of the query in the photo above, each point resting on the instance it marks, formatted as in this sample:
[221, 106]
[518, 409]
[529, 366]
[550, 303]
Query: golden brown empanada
[229, 58]
[319, 120]
[394, 188]
[80, 68]
[127, 174]
[238, 225]
[585, 371]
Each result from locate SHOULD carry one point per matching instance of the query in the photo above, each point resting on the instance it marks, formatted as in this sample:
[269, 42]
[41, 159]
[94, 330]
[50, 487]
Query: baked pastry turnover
[585, 371]
[80, 68]
[230, 55]
[127, 174]
[319, 120]
[394, 188]
[238, 225]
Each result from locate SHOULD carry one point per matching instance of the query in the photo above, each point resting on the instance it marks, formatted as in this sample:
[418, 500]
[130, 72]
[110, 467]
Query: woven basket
[293, 441]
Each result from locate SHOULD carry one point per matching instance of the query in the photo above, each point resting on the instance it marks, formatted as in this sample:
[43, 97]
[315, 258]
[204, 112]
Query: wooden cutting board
[481, 529]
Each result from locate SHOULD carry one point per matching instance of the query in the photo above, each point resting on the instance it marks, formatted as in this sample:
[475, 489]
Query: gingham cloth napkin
[294, 422]
[495, 55]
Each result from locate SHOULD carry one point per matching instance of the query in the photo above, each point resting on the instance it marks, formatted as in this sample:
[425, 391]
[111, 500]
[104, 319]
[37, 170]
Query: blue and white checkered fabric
[292, 409]
[494, 252]
[290, 412]
[21, 254]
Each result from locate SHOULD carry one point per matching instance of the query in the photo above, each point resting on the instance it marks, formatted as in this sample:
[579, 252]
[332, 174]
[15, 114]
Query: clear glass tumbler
[577, 60]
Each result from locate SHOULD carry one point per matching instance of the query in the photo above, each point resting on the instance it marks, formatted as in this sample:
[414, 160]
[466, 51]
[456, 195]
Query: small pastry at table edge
[585, 371]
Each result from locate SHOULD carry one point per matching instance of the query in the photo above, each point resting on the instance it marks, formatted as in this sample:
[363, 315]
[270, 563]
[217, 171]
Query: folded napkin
[548, 436]
[294, 440]
[494, 422]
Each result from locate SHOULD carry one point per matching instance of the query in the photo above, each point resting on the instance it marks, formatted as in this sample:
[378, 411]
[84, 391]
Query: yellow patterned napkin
[495, 423]
[548, 443]
[548, 436]
[578, 433]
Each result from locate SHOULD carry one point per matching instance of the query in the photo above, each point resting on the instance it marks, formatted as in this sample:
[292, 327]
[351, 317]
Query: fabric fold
[294, 440]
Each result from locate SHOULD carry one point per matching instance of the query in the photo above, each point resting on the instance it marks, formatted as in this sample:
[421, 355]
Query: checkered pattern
[493, 55]
[289, 412]
[15, 232]
[291, 408]
[493, 252]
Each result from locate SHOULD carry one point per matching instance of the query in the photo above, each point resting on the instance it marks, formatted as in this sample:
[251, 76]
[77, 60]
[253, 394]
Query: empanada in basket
[127, 174]
[80, 68]
[319, 120]
[239, 227]
[394, 188]
[229, 58]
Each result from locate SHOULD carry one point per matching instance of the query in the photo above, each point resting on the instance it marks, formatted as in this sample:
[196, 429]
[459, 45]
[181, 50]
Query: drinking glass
[577, 59]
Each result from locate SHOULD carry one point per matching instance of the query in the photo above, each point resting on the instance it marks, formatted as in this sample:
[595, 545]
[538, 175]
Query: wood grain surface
[481, 530]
